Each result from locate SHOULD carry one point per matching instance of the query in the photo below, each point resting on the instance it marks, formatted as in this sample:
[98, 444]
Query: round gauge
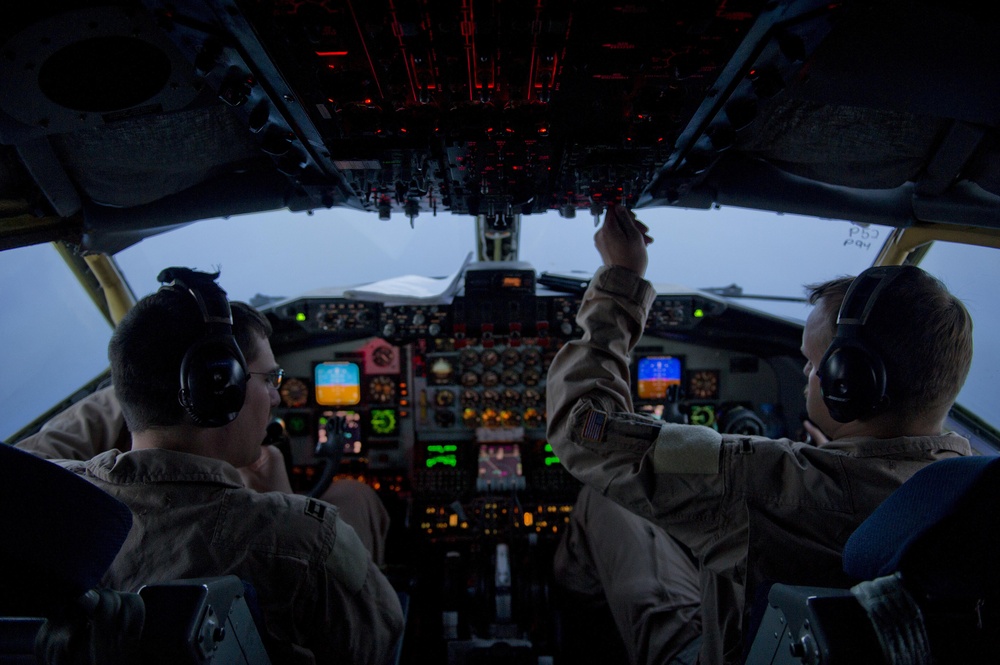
[511, 357]
[531, 397]
[441, 370]
[470, 379]
[703, 384]
[470, 398]
[444, 418]
[510, 418]
[531, 378]
[294, 393]
[468, 358]
[489, 358]
[510, 378]
[470, 417]
[383, 356]
[491, 418]
[509, 397]
[444, 398]
[490, 378]
[532, 418]
[382, 389]
[491, 398]
[531, 357]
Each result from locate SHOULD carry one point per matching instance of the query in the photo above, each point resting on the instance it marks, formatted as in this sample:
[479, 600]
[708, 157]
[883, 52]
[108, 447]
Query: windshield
[282, 254]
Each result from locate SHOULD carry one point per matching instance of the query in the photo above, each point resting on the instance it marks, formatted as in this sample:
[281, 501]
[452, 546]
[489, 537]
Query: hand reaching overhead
[622, 240]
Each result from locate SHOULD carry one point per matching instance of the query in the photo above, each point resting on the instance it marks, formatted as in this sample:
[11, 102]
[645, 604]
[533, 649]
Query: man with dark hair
[680, 528]
[322, 597]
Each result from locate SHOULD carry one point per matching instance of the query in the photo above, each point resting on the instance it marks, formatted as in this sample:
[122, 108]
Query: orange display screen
[656, 374]
[338, 384]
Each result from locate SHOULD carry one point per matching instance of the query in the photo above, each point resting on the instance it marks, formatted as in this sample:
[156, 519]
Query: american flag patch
[593, 429]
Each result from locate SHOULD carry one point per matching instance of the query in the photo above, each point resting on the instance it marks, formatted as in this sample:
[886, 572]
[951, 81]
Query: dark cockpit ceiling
[122, 119]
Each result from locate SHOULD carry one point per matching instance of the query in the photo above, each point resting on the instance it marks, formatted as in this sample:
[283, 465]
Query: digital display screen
[338, 384]
[499, 466]
[702, 414]
[383, 422]
[441, 455]
[658, 377]
[351, 435]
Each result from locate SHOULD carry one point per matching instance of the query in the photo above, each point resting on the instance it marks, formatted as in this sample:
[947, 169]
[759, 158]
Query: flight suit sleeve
[368, 604]
[91, 426]
[652, 468]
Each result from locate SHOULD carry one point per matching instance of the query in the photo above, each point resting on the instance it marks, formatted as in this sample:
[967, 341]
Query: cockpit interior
[125, 120]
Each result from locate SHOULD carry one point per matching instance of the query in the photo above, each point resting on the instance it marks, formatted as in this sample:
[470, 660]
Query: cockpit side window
[55, 340]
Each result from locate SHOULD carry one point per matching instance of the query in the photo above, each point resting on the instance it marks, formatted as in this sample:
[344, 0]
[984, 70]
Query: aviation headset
[213, 376]
[852, 375]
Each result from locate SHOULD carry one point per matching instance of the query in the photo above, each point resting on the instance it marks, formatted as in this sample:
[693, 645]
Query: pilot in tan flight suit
[680, 528]
[95, 424]
[322, 597]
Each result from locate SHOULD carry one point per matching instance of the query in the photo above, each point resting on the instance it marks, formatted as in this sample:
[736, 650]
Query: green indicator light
[549, 461]
[445, 448]
[300, 317]
[446, 460]
[548, 447]
[296, 425]
[699, 313]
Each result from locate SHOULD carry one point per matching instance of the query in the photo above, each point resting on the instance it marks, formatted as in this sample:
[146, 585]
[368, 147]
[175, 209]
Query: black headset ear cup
[213, 373]
[852, 376]
[213, 381]
[852, 379]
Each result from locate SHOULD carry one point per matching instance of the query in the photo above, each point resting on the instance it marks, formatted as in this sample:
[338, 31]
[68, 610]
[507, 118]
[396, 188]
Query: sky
[55, 341]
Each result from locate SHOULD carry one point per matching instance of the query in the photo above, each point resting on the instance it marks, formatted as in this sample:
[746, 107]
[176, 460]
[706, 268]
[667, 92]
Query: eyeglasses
[274, 377]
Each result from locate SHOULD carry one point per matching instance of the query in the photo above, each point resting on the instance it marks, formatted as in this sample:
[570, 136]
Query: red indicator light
[331, 54]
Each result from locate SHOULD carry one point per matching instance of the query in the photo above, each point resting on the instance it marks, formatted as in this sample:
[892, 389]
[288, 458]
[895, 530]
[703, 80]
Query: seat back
[940, 529]
[58, 534]
[931, 585]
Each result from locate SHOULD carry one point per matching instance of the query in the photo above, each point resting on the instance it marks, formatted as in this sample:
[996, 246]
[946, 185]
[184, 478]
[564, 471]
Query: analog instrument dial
[533, 418]
[510, 397]
[382, 389]
[468, 358]
[703, 384]
[444, 398]
[442, 371]
[491, 398]
[531, 397]
[294, 393]
[383, 356]
[511, 357]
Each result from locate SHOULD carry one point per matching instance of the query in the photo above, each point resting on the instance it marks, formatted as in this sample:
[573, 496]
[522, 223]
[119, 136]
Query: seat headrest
[941, 529]
[58, 533]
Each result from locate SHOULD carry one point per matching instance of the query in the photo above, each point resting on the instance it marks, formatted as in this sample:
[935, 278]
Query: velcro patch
[593, 428]
[315, 509]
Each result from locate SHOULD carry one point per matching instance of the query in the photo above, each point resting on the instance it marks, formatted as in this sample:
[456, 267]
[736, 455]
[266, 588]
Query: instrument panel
[447, 400]
[444, 412]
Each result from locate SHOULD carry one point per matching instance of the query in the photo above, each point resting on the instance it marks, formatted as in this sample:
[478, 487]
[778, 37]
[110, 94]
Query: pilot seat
[930, 560]
[60, 534]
